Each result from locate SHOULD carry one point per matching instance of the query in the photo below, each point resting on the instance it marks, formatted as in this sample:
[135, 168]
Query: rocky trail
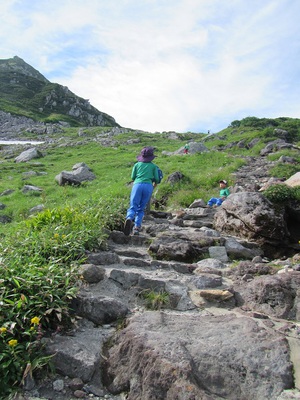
[153, 322]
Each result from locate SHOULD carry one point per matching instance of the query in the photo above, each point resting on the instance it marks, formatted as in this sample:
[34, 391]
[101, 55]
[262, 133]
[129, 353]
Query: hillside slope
[25, 91]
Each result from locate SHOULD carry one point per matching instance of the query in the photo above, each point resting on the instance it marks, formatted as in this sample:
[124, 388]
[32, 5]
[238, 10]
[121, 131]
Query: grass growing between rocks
[155, 300]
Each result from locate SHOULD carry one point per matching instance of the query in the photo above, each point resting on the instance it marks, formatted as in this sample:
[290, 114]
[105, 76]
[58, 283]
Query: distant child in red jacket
[224, 192]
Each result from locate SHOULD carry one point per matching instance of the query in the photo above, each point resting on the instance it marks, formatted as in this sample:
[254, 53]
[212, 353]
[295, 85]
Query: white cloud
[164, 64]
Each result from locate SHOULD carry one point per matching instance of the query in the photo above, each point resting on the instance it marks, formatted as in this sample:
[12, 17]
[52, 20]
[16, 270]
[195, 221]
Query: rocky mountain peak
[25, 92]
[17, 64]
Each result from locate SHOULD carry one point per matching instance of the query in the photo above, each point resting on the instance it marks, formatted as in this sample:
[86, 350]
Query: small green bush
[280, 193]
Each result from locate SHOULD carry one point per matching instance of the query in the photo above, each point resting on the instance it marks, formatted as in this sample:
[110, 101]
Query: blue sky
[163, 65]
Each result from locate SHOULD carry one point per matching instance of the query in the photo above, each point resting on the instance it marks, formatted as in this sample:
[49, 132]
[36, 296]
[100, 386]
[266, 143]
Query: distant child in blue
[224, 193]
[144, 175]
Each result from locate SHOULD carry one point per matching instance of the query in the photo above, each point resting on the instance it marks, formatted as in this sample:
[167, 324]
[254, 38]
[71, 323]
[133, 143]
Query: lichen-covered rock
[157, 357]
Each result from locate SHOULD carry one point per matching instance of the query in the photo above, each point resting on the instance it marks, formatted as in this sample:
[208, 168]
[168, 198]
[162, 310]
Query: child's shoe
[128, 227]
[136, 231]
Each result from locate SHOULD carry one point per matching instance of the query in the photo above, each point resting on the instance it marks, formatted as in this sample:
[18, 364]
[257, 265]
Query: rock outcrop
[251, 215]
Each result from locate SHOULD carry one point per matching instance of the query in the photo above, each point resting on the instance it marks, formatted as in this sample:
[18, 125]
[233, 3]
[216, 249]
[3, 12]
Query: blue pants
[139, 197]
[215, 201]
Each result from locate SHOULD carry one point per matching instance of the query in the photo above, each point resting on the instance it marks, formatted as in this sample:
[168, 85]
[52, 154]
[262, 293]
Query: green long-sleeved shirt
[224, 192]
[144, 172]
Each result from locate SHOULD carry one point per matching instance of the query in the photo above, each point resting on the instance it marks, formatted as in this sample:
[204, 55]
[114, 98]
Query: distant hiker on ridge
[186, 148]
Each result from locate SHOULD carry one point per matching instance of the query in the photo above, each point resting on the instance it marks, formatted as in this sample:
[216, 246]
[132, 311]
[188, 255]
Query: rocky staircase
[198, 322]
[114, 280]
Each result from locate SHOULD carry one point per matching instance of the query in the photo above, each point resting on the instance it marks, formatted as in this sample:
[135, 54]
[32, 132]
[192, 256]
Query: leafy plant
[279, 193]
[20, 353]
[39, 278]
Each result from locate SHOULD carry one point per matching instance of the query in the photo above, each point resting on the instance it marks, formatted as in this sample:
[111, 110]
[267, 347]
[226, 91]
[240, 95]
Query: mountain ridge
[24, 91]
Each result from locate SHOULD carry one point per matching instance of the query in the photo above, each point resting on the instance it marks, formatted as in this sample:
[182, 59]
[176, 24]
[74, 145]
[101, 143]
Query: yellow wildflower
[3, 329]
[56, 235]
[12, 342]
[35, 320]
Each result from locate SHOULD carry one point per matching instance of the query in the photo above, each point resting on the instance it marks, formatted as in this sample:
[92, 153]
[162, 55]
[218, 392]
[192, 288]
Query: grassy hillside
[112, 166]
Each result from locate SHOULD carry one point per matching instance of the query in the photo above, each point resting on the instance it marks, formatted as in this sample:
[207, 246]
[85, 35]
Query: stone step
[79, 355]
[118, 237]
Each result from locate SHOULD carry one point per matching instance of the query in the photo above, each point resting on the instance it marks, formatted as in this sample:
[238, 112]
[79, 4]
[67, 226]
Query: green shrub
[296, 191]
[280, 193]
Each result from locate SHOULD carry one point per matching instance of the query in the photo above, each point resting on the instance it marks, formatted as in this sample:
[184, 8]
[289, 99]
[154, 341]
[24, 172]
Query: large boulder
[195, 147]
[28, 155]
[252, 216]
[217, 357]
[80, 173]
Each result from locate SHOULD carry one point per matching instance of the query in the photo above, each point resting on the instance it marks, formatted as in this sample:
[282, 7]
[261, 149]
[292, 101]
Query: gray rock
[237, 251]
[218, 252]
[92, 273]
[252, 268]
[210, 263]
[198, 203]
[58, 385]
[67, 178]
[179, 246]
[273, 295]
[37, 209]
[126, 279]
[99, 309]
[77, 356]
[5, 219]
[293, 180]
[103, 258]
[288, 160]
[175, 177]
[80, 173]
[31, 188]
[195, 147]
[216, 357]
[7, 192]
[275, 145]
[252, 216]
[28, 155]
[204, 281]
